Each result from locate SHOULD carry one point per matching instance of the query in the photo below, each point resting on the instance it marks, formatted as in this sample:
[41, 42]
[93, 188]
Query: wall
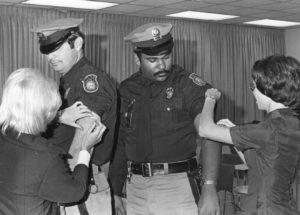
[221, 54]
[292, 42]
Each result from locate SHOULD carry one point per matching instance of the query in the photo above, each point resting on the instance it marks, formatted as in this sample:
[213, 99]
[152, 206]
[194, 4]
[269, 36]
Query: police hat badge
[90, 83]
[156, 34]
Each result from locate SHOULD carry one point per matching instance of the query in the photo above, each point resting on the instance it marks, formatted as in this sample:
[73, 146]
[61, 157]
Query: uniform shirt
[84, 82]
[157, 120]
[277, 143]
[34, 176]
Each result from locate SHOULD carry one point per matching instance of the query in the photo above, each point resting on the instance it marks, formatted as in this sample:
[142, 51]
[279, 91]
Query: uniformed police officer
[62, 42]
[157, 138]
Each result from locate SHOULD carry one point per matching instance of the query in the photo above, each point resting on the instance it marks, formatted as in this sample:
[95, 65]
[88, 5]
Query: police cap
[53, 34]
[151, 38]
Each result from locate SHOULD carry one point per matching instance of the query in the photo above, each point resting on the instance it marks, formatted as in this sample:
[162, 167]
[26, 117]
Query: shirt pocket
[170, 114]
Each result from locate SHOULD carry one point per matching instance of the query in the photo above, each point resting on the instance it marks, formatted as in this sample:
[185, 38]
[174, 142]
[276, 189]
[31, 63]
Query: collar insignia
[169, 92]
[90, 83]
[197, 80]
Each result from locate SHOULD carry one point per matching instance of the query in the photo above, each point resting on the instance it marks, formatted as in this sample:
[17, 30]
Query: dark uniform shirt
[157, 120]
[277, 144]
[86, 83]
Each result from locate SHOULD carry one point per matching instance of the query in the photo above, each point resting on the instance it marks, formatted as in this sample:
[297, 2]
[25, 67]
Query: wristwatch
[59, 113]
[207, 182]
[57, 118]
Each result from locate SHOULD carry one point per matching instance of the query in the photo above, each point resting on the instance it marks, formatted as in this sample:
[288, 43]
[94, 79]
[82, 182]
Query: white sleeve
[84, 158]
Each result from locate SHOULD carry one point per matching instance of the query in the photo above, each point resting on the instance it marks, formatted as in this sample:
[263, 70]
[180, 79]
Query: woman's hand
[91, 135]
[225, 122]
[71, 114]
[213, 94]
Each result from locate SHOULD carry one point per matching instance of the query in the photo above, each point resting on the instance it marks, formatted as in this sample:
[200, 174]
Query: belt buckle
[146, 169]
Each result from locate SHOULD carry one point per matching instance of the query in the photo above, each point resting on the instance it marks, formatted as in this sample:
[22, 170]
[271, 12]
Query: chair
[231, 180]
[225, 182]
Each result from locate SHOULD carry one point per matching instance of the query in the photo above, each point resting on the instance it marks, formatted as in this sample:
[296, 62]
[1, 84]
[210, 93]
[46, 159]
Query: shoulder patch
[197, 79]
[90, 83]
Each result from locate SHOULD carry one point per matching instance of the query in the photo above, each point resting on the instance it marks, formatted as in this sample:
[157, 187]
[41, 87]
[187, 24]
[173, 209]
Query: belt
[151, 169]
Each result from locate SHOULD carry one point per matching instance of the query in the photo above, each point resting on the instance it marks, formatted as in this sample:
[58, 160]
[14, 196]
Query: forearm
[118, 169]
[210, 160]
[210, 157]
[206, 120]
[117, 175]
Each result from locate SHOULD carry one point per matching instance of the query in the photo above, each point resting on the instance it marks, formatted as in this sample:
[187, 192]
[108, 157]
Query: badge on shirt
[90, 83]
[197, 80]
[169, 92]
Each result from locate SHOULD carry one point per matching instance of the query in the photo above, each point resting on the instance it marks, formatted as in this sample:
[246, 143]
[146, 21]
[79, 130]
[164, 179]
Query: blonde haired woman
[33, 175]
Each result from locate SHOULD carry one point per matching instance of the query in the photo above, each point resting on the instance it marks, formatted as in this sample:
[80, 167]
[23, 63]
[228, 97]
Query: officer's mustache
[162, 72]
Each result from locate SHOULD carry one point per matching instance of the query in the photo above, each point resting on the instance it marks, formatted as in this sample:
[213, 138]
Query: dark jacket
[34, 177]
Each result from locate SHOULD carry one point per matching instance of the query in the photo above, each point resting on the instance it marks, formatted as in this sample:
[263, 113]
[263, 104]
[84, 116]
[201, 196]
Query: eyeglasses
[252, 85]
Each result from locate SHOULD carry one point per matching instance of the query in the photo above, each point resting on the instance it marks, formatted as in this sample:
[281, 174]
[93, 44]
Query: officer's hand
[119, 206]
[91, 135]
[71, 114]
[208, 203]
[213, 93]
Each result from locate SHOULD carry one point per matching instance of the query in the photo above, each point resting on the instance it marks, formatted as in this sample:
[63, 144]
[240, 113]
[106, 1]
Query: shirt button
[168, 109]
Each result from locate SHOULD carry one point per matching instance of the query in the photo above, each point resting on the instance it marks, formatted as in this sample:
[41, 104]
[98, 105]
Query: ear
[137, 60]
[78, 43]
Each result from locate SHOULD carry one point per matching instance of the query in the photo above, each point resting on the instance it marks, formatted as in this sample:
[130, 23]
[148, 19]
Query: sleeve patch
[90, 83]
[197, 80]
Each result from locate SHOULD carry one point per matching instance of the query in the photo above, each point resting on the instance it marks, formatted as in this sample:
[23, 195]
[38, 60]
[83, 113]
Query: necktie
[144, 136]
[62, 91]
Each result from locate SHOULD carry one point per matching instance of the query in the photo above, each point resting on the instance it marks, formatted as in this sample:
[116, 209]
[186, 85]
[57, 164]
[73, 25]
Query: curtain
[221, 54]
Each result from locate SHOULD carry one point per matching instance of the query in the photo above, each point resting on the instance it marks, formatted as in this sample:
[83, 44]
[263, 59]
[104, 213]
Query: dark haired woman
[276, 140]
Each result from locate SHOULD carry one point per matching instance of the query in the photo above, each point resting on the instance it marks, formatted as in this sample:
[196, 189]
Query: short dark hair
[278, 77]
[71, 39]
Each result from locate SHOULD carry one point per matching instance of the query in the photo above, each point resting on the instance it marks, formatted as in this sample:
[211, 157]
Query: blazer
[34, 176]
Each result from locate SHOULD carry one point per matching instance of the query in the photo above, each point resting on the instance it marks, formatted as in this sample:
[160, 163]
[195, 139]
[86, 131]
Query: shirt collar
[74, 71]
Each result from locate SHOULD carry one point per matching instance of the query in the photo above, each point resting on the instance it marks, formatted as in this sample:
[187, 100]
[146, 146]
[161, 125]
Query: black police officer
[157, 137]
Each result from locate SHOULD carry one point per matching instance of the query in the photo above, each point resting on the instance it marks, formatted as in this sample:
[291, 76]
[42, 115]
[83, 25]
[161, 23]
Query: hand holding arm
[210, 160]
[91, 135]
[205, 121]
[71, 114]
[226, 122]
[78, 139]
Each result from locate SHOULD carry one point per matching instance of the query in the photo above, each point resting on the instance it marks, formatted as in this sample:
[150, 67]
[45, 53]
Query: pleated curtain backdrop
[221, 54]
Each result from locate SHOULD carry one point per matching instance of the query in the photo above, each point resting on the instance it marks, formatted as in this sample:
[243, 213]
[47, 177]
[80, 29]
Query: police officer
[157, 138]
[63, 44]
